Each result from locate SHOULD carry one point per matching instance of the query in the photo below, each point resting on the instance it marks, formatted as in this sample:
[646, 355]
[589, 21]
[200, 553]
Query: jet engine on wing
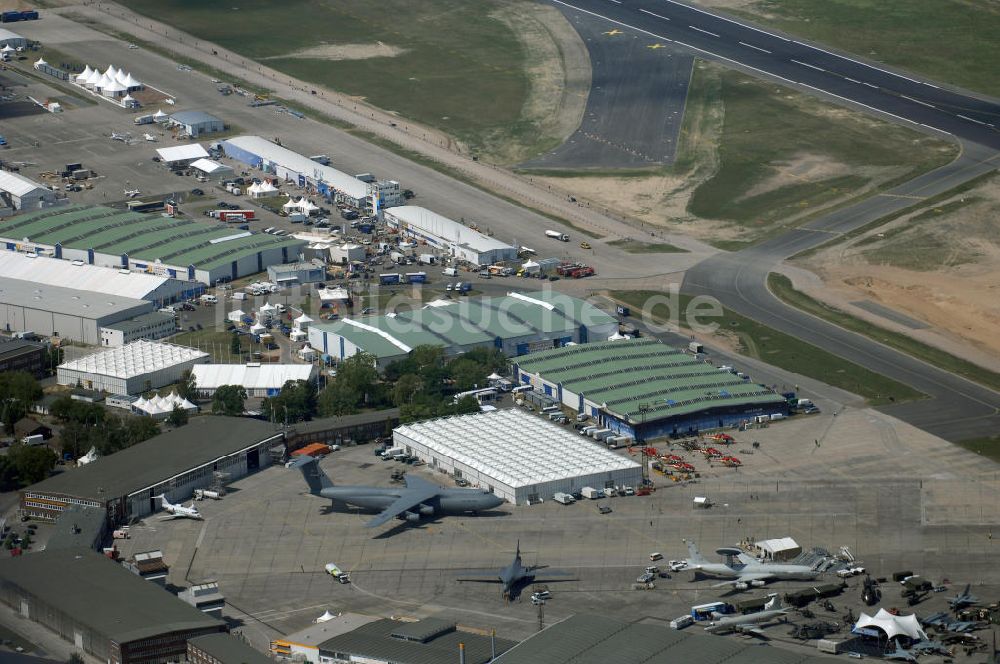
[426, 510]
[412, 517]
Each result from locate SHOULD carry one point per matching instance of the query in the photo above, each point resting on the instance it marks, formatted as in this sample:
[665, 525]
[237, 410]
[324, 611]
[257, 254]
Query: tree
[74, 439]
[407, 388]
[228, 400]
[18, 391]
[178, 417]
[32, 462]
[467, 374]
[68, 409]
[296, 402]
[187, 387]
[467, 405]
[75, 658]
[235, 347]
[336, 401]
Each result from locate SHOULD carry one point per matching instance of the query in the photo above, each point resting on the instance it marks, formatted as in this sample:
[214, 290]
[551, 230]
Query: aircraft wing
[751, 630]
[413, 496]
[483, 576]
[745, 578]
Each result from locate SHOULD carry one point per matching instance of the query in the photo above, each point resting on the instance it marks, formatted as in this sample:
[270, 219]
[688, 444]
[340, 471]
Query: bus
[483, 396]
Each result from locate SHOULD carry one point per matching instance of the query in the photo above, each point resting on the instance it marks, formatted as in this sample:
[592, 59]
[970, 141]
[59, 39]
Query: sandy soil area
[941, 270]
[344, 52]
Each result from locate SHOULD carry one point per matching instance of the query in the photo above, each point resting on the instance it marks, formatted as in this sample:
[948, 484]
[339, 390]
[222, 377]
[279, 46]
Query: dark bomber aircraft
[420, 498]
[513, 576]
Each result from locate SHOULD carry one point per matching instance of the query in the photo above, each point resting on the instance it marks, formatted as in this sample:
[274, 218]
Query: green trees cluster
[296, 402]
[421, 385]
[229, 400]
[18, 391]
[87, 425]
[24, 464]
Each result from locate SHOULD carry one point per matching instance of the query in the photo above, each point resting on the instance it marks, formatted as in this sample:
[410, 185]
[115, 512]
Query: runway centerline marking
[646, 11]
[806, 64]
[705, 31]
[870, 85]
[728, 20]
[846, 78]
[756, 48]
[917, 101]
[965, 117]
[752, 68]
[865, 64]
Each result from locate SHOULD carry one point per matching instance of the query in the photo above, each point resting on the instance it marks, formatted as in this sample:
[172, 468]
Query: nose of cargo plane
[496, 501]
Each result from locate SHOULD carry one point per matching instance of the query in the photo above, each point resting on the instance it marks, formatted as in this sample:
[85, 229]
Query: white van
[449, 272]
[209, 299]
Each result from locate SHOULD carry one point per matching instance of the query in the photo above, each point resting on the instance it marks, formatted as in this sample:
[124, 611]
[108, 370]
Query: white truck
[427, 259]
[564, 499]
[591, 493]
[337, 573]
[393, 451]
[556, 235]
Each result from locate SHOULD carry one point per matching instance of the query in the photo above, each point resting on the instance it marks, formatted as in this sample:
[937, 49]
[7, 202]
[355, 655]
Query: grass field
[637, 247]
[787, 352]
[782, 287]
[953, 41]
[784, 153]
[214, 342]
[988, 447]
[459, 68]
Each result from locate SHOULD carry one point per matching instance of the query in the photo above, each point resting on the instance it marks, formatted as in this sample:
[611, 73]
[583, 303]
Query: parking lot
[268, 540]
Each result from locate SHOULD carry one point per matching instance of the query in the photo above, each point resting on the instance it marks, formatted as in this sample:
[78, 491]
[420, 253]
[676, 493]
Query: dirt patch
[558, 70]
[343, 52]
[800, 168]
[937, 265]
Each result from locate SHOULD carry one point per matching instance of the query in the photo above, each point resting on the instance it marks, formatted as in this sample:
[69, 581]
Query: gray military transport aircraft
[742, 571]
[515, 575]
[419, 499]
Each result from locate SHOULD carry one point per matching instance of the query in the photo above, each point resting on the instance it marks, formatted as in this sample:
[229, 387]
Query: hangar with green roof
[645, 389]
[154, 244]
[517, 324]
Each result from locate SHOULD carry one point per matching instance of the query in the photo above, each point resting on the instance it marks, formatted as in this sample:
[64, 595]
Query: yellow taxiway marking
[656, 46]
[614, 32]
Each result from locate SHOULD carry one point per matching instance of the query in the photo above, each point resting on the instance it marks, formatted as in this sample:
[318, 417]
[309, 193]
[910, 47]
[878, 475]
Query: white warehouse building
[131, 369]
[367, 195]
[259, 380]
[448, 235]
[519, 457]
[21, 193]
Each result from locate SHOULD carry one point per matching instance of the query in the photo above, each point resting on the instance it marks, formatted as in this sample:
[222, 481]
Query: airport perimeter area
[826, 480]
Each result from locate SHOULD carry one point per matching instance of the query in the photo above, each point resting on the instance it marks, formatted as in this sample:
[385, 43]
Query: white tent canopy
[291, 204]
[39, 62]
[236, 315]
[266, 187]
[893, 626]
[303, 319]
[7, 48]
[325, 617]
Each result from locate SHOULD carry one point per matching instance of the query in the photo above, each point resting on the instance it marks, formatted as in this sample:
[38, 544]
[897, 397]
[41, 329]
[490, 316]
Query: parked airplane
[750, 624]
[420, 498]
[514, 576]
[741, 571]
[900, 655]
[178, 511]
[132, 193]
[963, 599]
[124, 138]
[150, 138]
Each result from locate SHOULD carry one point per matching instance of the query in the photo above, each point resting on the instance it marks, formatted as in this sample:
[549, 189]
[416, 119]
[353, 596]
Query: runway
[635, 105]
[871, 86]
[960, 409]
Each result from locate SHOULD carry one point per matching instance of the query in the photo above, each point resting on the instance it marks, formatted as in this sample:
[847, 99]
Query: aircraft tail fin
[773, 603]
[315, 478]
[694, 555]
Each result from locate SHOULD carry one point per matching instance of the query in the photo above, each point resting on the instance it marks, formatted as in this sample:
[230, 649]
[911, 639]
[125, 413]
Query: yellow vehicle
[585, 245]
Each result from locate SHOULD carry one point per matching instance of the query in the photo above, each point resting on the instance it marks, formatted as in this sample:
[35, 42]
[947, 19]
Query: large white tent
[519, 457]
[892, 626]
[130, 369]
[259, 380]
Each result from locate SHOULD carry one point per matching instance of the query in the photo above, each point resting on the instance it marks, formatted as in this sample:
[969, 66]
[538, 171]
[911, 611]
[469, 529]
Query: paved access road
[763, 52]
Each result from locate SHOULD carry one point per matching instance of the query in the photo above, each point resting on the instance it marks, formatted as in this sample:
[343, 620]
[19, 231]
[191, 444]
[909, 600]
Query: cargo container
[312, 449]
[591, 493]
[556, 235]
[416, 277]
[427, 259]
[449, 272]
[29, 15]
[681, 622]
[390, 278]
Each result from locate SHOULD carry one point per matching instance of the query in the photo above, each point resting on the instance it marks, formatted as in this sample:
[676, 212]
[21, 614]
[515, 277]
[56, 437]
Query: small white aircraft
[178, 511]
[150, 138]
[124, 138]
[132, 193]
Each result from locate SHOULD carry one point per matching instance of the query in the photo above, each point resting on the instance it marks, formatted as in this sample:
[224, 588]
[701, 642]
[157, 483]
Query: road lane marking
[917, 101]
[646, 11]
[756, 48]
[852, 80]
[964, 117]
[864, 64]
[617, 2]
[705, 31]
[751, 67]
[870, 85]
[806, 64]
[728, 20]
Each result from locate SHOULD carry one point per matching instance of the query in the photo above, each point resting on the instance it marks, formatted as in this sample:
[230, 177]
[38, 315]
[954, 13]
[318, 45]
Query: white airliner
[178, 511]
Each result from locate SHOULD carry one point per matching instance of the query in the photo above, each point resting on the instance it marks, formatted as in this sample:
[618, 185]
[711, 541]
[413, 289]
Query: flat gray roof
[140, 322]
[375, 640]
[202, 440]
[358, 419]
[77, 528]
[229, 650]
[193, 117]
[15, 347]
[102, 595]
[589, 639]
[91, 306]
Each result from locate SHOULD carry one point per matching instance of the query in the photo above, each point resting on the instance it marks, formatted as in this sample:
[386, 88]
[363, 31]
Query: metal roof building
[518, 456]
[101, 607]
[64, 312]
[179, 154]
[518, 323]
[12, 39]
[131, 369]
[448, 235]
[196, 123]
[427, 641]
[305, 643]
[158, 289]
[260, 380]
[645, 389]
[151, 326]
[174, 463]
[22, 193]
[303, 171]
[177, 248]
[588, 639]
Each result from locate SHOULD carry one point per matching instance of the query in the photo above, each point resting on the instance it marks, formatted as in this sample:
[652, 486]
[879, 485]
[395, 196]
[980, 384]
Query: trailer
[591, 493]
[416, 277]
[390, 278]
[556, 235]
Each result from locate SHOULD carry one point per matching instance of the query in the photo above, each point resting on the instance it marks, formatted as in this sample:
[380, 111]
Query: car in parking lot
[197, 192]
[541, 595]
[604, 509]
[645, 577]
[677, 565]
